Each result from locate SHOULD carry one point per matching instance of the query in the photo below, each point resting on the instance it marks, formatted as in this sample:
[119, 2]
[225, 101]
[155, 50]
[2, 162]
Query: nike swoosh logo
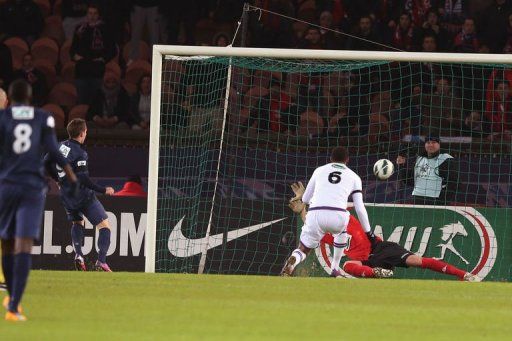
[181, 246]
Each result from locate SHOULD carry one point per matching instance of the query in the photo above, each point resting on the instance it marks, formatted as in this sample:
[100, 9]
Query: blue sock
[103, 244]
[7, 266]
[77, 237]
[22, 265]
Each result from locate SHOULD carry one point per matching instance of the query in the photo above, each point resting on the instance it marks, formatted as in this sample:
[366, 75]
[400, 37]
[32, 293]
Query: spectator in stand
[221, 39]
[365, 31]
[21, 18]
[424, 74]
[475, 125]
[508, 44]
[432, 27]
[132, 188]
[143, 12]
[331, 40]
[493, 24]
[273, 111]
[140, 104]
[35, 78]
[405, 35]
[452, 14]
[73, 14]
[417, 9]
[109, 107]
[499, 111]
[312, 39]
[91, 49]
[466, 41]
[5, 65]
[443, 111]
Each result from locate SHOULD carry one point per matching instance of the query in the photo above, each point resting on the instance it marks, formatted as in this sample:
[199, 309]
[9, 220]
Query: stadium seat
[136, 70]
[53, 29]
[48, 69]
[78, 111]
[58, 114]
[67, 73]
[18, 49]
[63, 94]
[44, 6]
[113, 67]
[310, 124]
[144, 51]
[64, 52]
[45, 48]
[57, 7]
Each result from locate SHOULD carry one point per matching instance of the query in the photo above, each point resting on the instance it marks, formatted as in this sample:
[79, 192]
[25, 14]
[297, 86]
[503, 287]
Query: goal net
[232, 128]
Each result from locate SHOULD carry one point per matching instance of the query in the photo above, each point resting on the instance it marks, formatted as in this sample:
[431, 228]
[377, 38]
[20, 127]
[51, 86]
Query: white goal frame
[160, 51]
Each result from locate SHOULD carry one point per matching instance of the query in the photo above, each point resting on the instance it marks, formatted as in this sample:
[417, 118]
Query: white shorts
[319, 222]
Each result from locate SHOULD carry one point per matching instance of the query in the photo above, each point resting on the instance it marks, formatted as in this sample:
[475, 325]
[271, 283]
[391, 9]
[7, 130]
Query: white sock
[340, 242]
[299, 256]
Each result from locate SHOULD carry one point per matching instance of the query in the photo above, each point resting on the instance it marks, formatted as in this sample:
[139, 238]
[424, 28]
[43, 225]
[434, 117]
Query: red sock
[442, 267]
[358, 270]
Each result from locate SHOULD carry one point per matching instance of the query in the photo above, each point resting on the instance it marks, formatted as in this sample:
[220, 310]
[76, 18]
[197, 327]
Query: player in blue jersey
[25, 132]
[85, 204]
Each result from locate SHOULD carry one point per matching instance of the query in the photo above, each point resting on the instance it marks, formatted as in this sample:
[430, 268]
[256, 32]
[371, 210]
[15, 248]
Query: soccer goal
[232, 128]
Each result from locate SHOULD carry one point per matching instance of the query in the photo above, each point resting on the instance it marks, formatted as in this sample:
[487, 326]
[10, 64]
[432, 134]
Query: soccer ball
[383, 169]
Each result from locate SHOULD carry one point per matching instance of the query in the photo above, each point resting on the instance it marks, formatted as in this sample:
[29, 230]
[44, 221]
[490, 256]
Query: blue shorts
[93, 210]
[21, 211]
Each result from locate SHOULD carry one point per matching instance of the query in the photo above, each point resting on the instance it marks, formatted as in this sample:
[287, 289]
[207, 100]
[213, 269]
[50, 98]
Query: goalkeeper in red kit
[385, 254]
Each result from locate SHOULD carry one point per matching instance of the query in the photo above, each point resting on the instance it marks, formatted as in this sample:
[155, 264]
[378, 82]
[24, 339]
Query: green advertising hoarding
[478, 240]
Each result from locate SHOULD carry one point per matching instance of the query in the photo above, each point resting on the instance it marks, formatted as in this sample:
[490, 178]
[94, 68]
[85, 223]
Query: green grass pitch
[136, 306]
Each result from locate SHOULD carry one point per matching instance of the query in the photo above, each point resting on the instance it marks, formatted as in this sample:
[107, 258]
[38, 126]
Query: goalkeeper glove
[298, 189]
[296, 205]
[374, 240]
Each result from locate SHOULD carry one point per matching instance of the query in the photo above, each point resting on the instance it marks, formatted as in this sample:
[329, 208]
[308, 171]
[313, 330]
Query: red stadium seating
[136, 70]
[67, 72]
[78, 111]
[53, 29]
[45, 48]
[58, 114]
[18, 49]
[63, 94]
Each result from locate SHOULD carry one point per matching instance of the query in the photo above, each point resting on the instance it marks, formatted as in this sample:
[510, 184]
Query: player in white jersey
[327, 195]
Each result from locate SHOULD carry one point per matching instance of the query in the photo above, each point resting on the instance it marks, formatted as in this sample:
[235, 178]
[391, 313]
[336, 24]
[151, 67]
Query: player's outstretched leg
[77, 237]
[357, 269]
[295, 258]
[103, 245]
[441, 267]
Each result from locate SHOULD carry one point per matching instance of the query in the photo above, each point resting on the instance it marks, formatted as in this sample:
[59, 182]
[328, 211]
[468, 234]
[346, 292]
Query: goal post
[232, 127]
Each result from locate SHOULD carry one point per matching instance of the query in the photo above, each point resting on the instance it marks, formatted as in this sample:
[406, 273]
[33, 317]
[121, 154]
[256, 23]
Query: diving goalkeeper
[367, 262]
